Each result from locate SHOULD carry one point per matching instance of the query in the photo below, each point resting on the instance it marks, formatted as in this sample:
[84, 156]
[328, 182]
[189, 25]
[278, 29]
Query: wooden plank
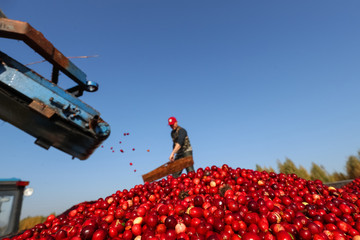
[42, 108]
[168, 168]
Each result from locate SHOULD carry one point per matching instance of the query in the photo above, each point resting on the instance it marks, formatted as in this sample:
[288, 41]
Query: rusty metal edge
[19, 30]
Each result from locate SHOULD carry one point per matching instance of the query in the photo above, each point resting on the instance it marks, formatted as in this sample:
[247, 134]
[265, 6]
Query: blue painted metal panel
[13, 67]
[47, 112]
[80, 75]
[9, 179]
[78, 112]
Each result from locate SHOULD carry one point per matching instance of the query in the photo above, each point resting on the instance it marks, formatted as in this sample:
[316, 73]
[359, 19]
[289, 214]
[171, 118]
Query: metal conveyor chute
[54, 116]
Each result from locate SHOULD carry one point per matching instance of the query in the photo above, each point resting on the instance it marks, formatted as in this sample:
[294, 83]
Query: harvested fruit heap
[213, 203]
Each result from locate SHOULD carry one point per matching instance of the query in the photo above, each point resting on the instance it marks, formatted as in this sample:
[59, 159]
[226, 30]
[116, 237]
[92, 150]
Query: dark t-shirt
[181, 138]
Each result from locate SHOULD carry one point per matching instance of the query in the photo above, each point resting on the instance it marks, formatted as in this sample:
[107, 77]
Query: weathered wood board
[168, 168]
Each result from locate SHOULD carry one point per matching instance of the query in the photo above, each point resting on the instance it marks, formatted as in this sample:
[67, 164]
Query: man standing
[181, 144]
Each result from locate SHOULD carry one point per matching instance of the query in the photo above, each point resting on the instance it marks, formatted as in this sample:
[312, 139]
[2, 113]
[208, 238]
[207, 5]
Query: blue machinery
[54, 116]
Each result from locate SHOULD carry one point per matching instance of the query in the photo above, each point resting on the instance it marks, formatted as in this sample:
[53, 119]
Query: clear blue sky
[253, 82]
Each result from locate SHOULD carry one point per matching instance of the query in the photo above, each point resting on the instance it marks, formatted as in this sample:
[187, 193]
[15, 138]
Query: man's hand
[171, 158]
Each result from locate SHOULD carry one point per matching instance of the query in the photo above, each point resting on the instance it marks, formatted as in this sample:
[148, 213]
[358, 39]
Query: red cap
[172, 120]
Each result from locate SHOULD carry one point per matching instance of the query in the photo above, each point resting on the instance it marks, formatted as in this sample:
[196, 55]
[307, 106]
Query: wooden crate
[168, 168]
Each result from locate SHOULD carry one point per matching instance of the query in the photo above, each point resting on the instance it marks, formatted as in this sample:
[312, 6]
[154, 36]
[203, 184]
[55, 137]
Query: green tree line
[352, 170]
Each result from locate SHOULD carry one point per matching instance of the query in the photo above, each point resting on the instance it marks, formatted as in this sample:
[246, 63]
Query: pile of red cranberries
[213, 203]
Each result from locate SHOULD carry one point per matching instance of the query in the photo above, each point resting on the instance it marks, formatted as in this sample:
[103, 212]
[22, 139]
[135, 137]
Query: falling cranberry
[134, 170]
[131, 164]
[121, 150]
[148, 150]
[133, 149]
[120, 142]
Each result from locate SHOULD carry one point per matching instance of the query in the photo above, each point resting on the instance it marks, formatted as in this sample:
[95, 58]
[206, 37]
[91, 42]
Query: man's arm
[174, 151]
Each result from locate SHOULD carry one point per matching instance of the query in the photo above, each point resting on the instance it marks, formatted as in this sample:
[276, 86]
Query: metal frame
[23, 31]
[54, 116]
